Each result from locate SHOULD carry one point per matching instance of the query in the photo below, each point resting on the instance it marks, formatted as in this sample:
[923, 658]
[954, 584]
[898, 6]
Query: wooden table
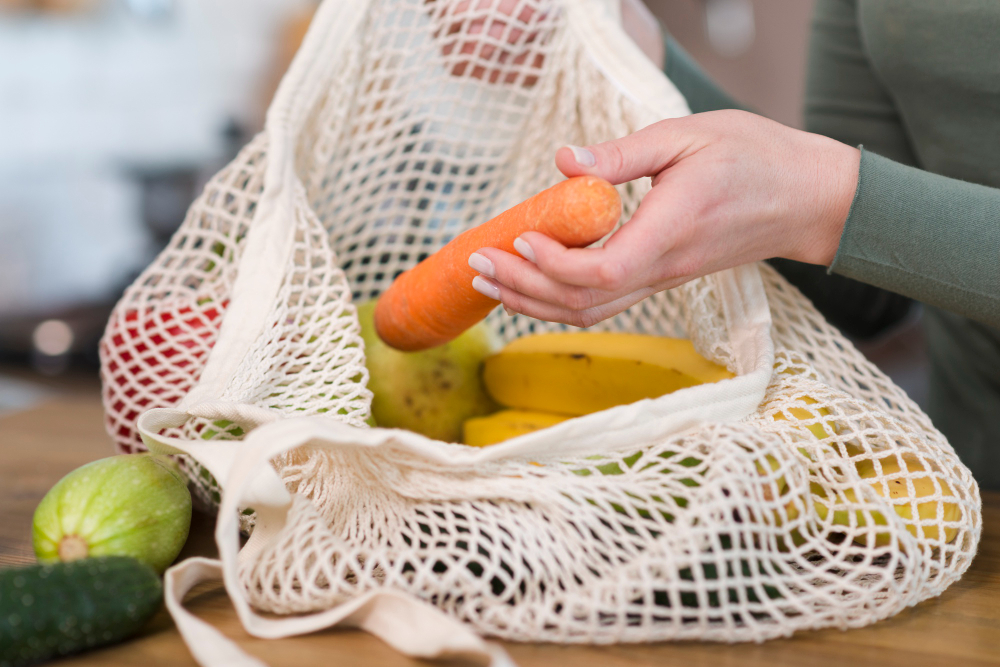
[960, 628]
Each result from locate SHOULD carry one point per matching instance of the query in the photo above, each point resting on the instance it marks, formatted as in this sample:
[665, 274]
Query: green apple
[129, 505]
[431, 392]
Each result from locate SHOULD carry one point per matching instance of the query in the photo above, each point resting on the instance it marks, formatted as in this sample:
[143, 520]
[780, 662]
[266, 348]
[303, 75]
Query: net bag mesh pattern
[834, 503]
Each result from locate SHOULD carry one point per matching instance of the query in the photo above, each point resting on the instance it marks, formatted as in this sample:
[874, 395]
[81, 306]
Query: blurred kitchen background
[113, 114]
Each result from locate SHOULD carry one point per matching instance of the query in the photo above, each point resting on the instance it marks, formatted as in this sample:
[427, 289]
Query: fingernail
[583, 157]
[509, 311]
[522, 247]
[482, 264]
[486, 287]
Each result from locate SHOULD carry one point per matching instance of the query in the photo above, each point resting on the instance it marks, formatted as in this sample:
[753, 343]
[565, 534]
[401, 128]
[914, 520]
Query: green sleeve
[933, 238]
[701, 93]
[845, 99]
[923, 235]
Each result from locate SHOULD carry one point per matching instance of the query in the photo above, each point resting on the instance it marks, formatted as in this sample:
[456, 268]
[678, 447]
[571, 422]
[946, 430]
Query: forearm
[929, 237]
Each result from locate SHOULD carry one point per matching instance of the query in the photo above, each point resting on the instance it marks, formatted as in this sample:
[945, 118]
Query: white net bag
[806, 492]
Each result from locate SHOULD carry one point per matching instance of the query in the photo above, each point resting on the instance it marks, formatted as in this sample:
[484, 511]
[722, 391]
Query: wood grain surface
[37, 447]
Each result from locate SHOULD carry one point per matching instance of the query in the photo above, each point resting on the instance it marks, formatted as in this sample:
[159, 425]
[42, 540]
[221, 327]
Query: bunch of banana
[906, 488]
[903, 490]
[544, 379]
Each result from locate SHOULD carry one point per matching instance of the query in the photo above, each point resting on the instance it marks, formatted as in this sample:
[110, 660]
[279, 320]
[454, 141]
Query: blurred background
[113, 114]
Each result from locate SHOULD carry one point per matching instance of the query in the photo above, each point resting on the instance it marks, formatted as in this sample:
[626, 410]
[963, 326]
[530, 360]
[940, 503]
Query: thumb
[646, 152]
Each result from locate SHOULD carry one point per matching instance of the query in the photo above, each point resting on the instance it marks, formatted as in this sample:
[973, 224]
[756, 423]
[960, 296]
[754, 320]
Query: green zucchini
[48, 611]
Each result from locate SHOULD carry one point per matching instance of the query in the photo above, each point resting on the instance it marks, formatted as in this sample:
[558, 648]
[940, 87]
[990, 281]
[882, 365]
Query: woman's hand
[729, 188]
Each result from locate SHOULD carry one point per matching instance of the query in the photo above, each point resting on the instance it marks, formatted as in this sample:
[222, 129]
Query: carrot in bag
[434, 302]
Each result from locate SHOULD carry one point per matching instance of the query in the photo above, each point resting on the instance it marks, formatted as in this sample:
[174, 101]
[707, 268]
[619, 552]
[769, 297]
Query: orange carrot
[434, 302]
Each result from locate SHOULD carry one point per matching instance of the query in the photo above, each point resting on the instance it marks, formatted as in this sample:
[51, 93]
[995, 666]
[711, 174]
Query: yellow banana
[822, 429]
[506, 424]
[819, 430]
[922, 487]
[897, 489]
[580, 373]
[842, 517]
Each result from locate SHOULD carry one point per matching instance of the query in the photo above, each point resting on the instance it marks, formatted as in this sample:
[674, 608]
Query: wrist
[835, 182]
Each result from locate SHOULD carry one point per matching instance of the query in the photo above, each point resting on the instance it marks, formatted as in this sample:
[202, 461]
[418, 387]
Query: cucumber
[48, 611]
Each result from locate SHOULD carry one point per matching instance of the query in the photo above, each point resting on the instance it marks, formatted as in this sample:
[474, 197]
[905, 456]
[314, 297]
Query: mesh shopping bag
[808, 491]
